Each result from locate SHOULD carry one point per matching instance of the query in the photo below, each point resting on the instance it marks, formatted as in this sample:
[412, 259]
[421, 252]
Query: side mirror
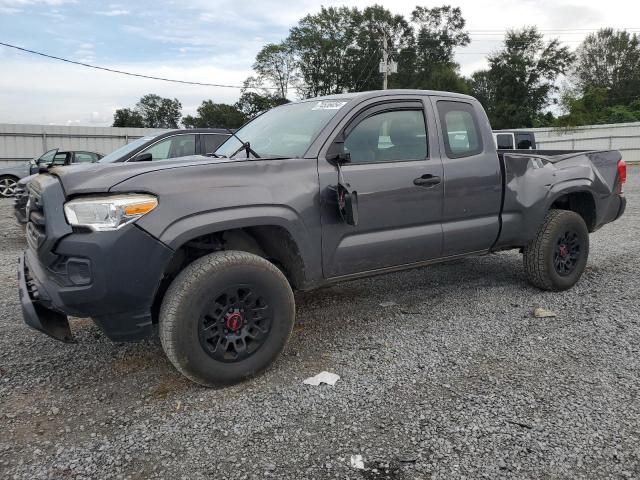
[143, 157]
[339, 158]
[42, 169]
[347, 204]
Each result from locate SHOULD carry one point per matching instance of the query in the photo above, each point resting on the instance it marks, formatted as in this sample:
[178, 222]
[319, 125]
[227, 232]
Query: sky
[213, 41]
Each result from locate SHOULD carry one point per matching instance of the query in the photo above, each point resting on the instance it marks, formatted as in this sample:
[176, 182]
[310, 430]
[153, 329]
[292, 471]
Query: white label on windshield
[329, 105]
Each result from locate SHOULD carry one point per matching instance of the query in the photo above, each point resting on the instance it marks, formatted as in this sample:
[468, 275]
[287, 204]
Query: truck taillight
[622, 175]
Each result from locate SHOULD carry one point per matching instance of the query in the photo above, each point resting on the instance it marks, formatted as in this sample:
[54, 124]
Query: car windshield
[118, 153]
[285, 131]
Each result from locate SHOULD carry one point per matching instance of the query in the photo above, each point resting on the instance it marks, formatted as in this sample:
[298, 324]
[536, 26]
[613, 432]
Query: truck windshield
[285, 131]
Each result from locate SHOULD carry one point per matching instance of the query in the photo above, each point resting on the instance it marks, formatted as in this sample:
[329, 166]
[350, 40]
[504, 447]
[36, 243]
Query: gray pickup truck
[307, 194]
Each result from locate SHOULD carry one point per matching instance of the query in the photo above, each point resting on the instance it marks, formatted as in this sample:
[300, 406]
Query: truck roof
[380, 93]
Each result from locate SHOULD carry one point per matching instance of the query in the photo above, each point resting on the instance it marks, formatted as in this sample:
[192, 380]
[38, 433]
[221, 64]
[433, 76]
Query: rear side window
[504, 141]
[85, 157]
[460, 129]
[524, 141]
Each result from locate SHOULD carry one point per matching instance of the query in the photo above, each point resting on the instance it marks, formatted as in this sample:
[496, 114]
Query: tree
[321, 43]
[252, 103]
[126, 117]
[428, 61]
[609, 60]
[276, 65]
[215, 115]
[151, 111]
[521, 79]
[159, 112]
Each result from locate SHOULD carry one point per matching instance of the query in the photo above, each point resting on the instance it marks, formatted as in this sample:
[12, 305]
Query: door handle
[427, 180]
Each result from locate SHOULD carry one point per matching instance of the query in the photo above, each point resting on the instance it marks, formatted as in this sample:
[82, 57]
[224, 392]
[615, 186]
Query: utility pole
[386, 66]
[385, 60]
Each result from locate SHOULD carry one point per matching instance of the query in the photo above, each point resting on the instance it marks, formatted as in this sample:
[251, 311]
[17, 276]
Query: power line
[151, 77]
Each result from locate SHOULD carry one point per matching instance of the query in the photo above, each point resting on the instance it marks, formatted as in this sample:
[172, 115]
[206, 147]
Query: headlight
[108, 213]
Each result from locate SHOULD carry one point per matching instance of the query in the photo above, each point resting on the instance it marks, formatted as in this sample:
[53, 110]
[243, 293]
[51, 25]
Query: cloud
[114, 13]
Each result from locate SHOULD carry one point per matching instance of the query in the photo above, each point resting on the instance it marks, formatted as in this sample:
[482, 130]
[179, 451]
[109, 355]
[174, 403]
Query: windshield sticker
[329, 105]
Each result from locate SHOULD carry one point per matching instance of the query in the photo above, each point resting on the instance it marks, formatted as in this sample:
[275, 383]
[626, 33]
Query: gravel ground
[455, 379]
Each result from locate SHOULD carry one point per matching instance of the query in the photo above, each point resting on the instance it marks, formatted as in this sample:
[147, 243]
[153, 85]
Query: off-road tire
[186, 298]
[539, 253]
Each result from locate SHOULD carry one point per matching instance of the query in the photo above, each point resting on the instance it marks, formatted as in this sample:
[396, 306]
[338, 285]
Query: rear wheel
[226, 317]
[557, 256]
[8, 185]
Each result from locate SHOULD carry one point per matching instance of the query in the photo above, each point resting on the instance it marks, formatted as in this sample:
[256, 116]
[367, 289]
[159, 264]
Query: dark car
[307, 194]
[168, 145]
[161, 146]
[10, 176]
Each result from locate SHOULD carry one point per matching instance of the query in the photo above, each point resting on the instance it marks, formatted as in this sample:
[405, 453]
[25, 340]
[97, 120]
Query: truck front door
[399, 186]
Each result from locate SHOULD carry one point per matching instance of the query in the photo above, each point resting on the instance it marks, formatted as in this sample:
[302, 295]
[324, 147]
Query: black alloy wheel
[235, 324]
[567, 253]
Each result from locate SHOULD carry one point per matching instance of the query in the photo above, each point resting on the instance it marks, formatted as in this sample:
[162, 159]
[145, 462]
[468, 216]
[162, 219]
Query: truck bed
[532, 180]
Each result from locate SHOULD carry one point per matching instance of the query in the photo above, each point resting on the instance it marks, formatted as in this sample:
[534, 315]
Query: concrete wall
[619, 136]
[19, 143]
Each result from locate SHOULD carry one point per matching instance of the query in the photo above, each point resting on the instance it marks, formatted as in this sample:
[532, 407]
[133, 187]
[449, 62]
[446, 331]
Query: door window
[392, 136]
[524, 141]
[85, 157]
[504, 141]
[172, 147]
[460, 129]
[59, 159]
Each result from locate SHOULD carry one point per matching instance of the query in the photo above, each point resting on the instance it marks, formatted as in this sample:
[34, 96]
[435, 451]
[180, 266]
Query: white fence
[23, 142]
[619, 136]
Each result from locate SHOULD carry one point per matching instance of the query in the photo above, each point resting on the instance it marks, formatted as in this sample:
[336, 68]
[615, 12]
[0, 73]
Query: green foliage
[276, 64]
[595, 107]
[215, 115]
[609, 60]
[151, 111]
[126, 117]
[252, 103]
[158, 112]
[521, 79]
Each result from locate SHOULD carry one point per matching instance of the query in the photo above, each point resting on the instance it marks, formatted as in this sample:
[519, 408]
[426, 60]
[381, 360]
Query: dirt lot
[452, 377]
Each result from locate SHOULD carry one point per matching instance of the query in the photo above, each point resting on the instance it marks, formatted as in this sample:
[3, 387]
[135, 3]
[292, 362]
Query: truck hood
[101, 177]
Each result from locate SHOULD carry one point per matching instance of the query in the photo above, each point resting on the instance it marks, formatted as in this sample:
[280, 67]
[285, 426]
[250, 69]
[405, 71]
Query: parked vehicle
[162, 146]
[307, 194]
[168, 145]
[9, 176]
[514, 140]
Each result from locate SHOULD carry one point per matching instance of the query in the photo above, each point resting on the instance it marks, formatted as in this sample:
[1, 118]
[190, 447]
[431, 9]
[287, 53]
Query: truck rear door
[399, 185]
[473, 184]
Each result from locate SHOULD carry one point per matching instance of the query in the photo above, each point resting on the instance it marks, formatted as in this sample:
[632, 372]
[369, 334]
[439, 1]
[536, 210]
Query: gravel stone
[453, 379]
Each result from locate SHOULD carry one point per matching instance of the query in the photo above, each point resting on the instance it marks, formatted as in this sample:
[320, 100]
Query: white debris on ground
[543, 313]
[357, 462]
[323, 377]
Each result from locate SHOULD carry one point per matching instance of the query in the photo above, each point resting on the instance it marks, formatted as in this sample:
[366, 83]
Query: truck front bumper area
[111, 277]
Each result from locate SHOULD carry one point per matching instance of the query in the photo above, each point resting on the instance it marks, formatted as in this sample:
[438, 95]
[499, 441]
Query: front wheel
[226, 317]
[556, 257]
[8, 185]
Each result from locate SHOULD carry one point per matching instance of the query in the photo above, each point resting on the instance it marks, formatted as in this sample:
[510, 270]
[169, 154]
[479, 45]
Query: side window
[393, 136]
[460, 129]
[211, 142]
[172, 147]
[504, 141]
[59, 159]
[85, 157]
[524, 141]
